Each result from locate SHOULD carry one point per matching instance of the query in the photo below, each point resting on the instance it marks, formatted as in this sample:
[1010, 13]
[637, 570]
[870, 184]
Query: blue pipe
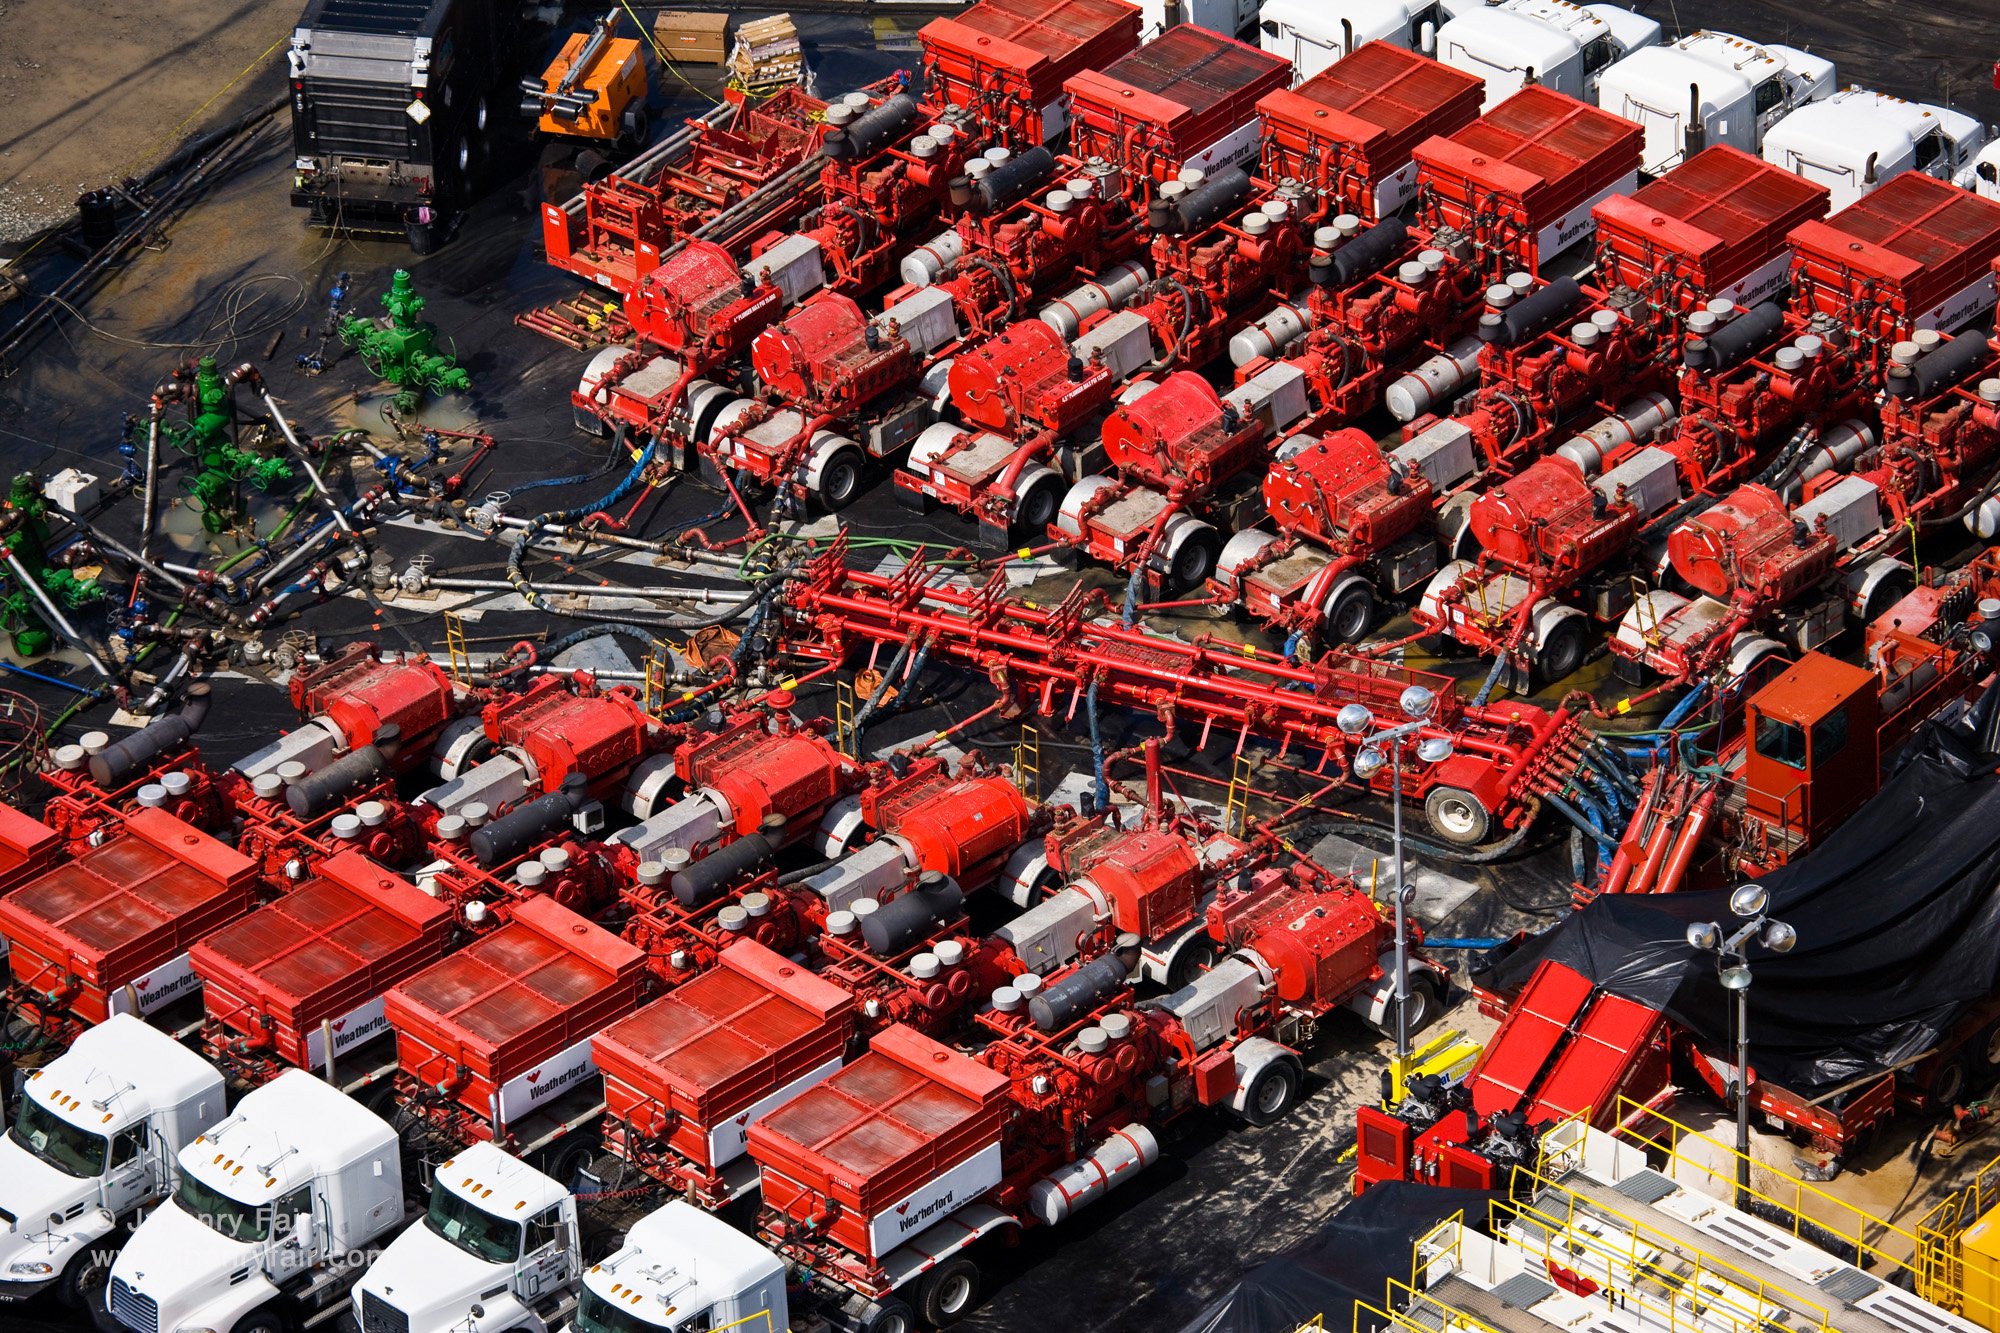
[51, 680]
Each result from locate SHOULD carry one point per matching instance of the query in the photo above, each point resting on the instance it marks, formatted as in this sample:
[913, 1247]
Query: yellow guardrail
[1634, 1253]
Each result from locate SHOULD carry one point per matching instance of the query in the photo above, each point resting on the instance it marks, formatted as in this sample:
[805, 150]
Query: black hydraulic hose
[112, 766]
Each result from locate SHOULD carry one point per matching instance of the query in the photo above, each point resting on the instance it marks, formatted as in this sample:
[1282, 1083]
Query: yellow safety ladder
[1028, 762]
[454, 646]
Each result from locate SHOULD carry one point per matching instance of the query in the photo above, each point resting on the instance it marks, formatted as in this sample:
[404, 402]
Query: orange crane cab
[595, 88]
[1813, 757]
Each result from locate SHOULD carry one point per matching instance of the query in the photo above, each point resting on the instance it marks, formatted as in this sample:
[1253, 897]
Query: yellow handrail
[1928, 1251]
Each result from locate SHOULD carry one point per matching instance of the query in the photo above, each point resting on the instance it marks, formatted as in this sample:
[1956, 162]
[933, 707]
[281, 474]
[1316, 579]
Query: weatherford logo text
[908, 1218]
[539, 1087]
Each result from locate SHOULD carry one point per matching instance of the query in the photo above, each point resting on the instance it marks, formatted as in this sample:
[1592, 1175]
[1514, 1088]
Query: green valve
[24, 535]
[401, 349]
[221, 469]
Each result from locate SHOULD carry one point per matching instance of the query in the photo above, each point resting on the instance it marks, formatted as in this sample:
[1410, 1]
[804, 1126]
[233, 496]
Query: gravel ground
[93, 91]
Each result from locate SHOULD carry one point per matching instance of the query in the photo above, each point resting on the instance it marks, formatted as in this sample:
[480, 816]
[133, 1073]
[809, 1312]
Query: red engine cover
[1176, 432]
[1747, 543]
[817, 345]
[696, 300]
[991, 383]
[955, 825]
[1341, 484]
[598, 735]
[362, 694]
[793, 773]
[1548, 517]
[1151, 877]
[1323, 943]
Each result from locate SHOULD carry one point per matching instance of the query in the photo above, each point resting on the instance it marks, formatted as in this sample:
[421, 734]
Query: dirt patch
[93, 91]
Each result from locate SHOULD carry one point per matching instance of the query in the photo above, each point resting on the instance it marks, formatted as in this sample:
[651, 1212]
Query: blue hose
[51, 680]
[1454, 942]
[1097, 748]
[518, 552]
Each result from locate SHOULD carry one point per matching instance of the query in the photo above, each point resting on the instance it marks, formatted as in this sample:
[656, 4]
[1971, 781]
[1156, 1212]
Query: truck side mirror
[302, 1230]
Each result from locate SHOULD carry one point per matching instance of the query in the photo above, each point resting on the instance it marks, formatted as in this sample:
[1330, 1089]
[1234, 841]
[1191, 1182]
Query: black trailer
[394, 103]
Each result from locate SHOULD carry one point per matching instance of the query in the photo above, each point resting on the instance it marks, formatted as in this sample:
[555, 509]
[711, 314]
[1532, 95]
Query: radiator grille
[360, 119]
[378, 1316]
[135, 1310]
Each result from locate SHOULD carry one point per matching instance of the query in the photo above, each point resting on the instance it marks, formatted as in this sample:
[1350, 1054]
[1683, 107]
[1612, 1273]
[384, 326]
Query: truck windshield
[76, 1152]
[497, 1240]
[220, 1213]
[595, 1314]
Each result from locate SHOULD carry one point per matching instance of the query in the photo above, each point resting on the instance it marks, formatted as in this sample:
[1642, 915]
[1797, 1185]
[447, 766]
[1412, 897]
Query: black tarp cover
[1898, 921]
[1349, 1259]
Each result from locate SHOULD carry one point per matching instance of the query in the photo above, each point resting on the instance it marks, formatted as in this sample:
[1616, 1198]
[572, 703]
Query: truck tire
[840, 480]
[568, 1156]
[889, 1316]
[948, 1292]
[1351, 616]
[1985, 1049]
[1563, 652]
[265, 1320]
[1037, 510]
[1273, 1092]
[1457, 816]
[1195, 958]
[84, 1283]
[1951, 1083]
[1194, 562]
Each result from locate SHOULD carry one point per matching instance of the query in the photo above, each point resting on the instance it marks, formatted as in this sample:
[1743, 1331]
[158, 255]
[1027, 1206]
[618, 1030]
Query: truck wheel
[1194, 562]
[265, 1320]
[573, 1154]
[1273, 1092]
[85, 1281]
[1948, 1087]
[1036, 511]
[840, 480]
[1985, 1049]
[1563, 653]
[890, 1316]
[1457, 816]
[1193, 960]
[949, 1292]
[1351, 616]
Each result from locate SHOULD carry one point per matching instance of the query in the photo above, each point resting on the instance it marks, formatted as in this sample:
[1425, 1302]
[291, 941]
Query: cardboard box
[693, 39]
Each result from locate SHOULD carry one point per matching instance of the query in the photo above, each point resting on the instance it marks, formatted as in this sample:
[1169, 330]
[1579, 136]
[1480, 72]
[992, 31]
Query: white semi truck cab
[682, 1270]
[1566, 47]
[1857, 138]
[95, 1141]
[497, 1249]
[1710, 88]
[271, 1221]
[1312, 34]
